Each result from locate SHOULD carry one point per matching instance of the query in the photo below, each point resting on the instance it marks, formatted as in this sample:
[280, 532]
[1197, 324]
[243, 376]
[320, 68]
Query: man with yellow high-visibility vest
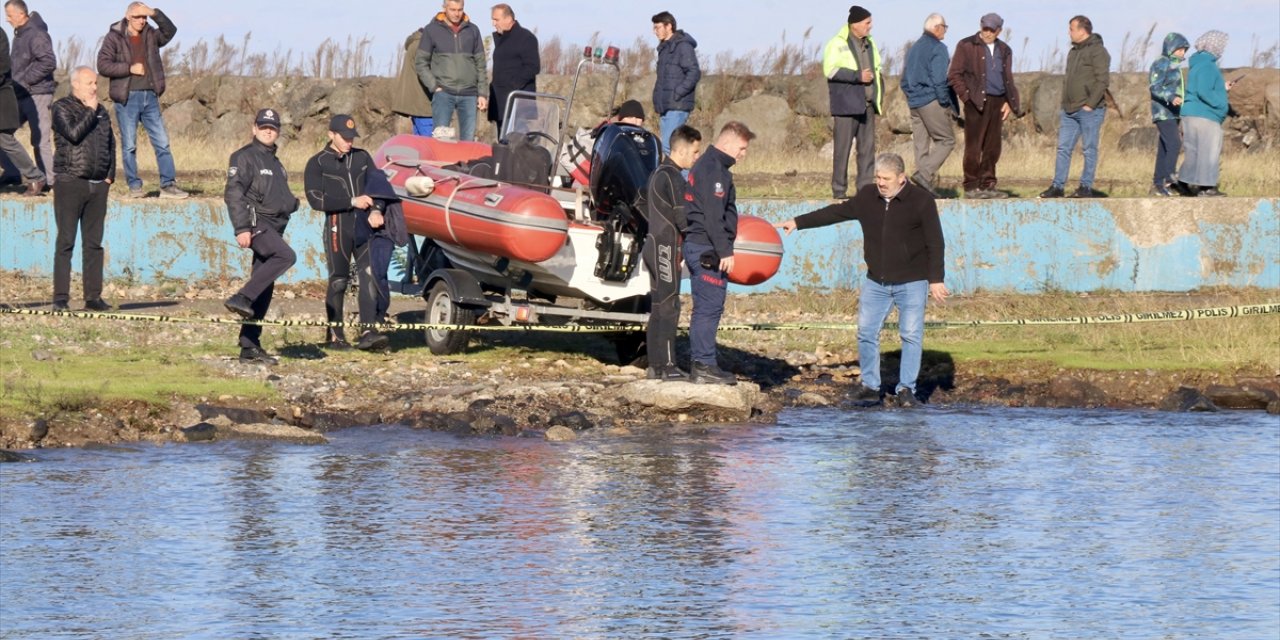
[851, 63]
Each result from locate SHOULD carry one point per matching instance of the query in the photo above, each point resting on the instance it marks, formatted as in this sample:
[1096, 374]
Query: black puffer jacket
[83, 145]
[678, 74]
[9, 121]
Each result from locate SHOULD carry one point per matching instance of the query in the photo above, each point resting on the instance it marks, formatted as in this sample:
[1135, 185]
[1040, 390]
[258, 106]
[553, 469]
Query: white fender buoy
[420, 186]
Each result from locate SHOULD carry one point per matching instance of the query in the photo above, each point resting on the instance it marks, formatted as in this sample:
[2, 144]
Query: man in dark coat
[33, 63]
[84, 157]
[981, 74]
[678, 75]
[130, 56]
[516, 61]
[259, 204]
[9, 122]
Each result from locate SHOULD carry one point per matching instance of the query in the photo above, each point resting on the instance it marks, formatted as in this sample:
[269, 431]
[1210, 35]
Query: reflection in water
[871, 524]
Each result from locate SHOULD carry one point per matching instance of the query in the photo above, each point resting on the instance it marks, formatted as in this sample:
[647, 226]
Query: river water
[880, 524]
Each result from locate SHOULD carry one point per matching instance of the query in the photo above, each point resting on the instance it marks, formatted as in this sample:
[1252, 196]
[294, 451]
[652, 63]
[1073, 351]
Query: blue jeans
[443, 105]
[1073, 127]
[667, 125]
[422, 126]
[874, 303]
[708, 289]
[144, 107]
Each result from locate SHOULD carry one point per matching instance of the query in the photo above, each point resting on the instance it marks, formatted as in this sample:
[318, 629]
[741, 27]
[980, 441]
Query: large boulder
[728, 403]
[1045, 102]
[187, 118]
[1139, 139]
[768, 116]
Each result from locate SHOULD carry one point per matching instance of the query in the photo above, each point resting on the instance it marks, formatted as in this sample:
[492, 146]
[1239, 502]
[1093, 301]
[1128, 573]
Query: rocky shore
[554, 388]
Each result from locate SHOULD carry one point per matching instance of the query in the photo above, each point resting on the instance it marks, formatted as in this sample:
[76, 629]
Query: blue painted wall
[1013, 245]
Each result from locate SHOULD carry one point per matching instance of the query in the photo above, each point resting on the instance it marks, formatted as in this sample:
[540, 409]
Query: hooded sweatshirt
[33, 58]
[1206, 89]
[1166, 79]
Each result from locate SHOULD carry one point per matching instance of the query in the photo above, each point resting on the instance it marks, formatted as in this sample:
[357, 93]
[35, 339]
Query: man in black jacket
[259, 203]
[903, 248]
[708, 246]
[130, 56]
[516, 61]
[678, 75]
[84, 158]
[33, 65]
[9, 122]
[335, 182]
[664, 202]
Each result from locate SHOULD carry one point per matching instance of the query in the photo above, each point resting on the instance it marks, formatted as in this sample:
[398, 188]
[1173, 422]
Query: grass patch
[52, 369]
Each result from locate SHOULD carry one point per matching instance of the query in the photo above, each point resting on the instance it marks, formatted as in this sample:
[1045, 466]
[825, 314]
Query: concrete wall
[1012, 245]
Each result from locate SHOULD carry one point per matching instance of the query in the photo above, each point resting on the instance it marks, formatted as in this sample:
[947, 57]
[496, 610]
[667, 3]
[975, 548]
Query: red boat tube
[757, 251]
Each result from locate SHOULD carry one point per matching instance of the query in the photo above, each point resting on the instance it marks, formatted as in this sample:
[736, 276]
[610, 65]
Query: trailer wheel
[441, 309]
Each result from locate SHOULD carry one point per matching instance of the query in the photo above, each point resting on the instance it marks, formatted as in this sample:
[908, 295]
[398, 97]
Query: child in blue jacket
[1167, 92]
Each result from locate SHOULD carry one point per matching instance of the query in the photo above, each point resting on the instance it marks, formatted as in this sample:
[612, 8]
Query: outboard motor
[623, 160]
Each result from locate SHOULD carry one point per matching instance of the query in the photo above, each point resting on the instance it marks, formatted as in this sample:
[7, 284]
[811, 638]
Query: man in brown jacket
[981, 74]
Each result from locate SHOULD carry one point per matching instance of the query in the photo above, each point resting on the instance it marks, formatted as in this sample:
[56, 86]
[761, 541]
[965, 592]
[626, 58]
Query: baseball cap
[343, 125]
[268, 118]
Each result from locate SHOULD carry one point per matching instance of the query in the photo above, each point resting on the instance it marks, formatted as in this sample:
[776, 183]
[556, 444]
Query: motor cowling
[623, 159]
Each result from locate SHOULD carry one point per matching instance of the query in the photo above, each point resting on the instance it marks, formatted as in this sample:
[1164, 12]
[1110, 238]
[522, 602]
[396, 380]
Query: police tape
[1211, 313]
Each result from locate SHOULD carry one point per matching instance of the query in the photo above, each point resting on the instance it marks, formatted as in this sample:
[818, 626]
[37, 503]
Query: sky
[1033, 28]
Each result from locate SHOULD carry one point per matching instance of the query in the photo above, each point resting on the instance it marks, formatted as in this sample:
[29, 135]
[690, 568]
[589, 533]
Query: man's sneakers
[907, 399]
[337, 344]
[35, 188]
[1160, 190]
[61, 305]
[373, 341]
[924, 184]
[668, 373]
[1086, 192]
[172, 192]
[255, 355]
[865, 396]
[96, 304]
[240, 305]
[702, 373]
[136, 193]
[1054, 191]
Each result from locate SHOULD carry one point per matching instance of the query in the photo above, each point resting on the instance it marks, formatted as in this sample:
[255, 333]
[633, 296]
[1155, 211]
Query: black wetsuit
[664, 199]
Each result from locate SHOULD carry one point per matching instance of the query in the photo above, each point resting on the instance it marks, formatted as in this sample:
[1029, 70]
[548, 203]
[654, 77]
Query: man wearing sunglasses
[130, 57]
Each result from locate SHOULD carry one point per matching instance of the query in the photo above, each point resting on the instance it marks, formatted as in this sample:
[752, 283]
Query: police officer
[335, 183]
[708, 247]
[259, 203]
[664, 202]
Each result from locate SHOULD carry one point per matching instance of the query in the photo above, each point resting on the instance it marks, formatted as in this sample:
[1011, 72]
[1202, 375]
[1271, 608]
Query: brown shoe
[34, 189]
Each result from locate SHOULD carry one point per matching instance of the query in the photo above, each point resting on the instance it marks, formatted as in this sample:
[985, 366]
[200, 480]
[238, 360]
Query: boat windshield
[535, 114]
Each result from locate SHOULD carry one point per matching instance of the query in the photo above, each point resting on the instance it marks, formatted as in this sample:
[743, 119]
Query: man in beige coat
[408, 97]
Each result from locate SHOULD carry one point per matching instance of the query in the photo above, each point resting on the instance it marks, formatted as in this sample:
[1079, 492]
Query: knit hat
[631, 109]
[858, 14]
[1213, 42]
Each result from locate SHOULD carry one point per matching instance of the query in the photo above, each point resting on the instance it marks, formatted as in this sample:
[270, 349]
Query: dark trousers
[373, 257]
[708, 288]
[78, 204]
[339, 247]
[982, 144]
[847, 129]
[272, 256]
[1167, 150]
[662, 259]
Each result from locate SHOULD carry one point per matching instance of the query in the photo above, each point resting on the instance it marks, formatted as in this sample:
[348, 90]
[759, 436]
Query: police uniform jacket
[258, 188]
[712, 203]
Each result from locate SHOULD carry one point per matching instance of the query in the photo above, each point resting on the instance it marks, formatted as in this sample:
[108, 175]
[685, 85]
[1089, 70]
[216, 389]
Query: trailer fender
[463, 286]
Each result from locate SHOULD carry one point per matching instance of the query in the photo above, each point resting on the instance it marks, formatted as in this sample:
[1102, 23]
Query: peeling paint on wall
[1129, 244]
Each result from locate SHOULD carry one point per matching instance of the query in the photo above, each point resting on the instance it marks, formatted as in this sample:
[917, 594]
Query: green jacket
[1088, 73]
[453, 61]
[845, 89]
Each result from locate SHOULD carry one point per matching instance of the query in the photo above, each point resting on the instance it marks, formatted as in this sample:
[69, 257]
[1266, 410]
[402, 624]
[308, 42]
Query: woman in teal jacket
[1203, 111]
